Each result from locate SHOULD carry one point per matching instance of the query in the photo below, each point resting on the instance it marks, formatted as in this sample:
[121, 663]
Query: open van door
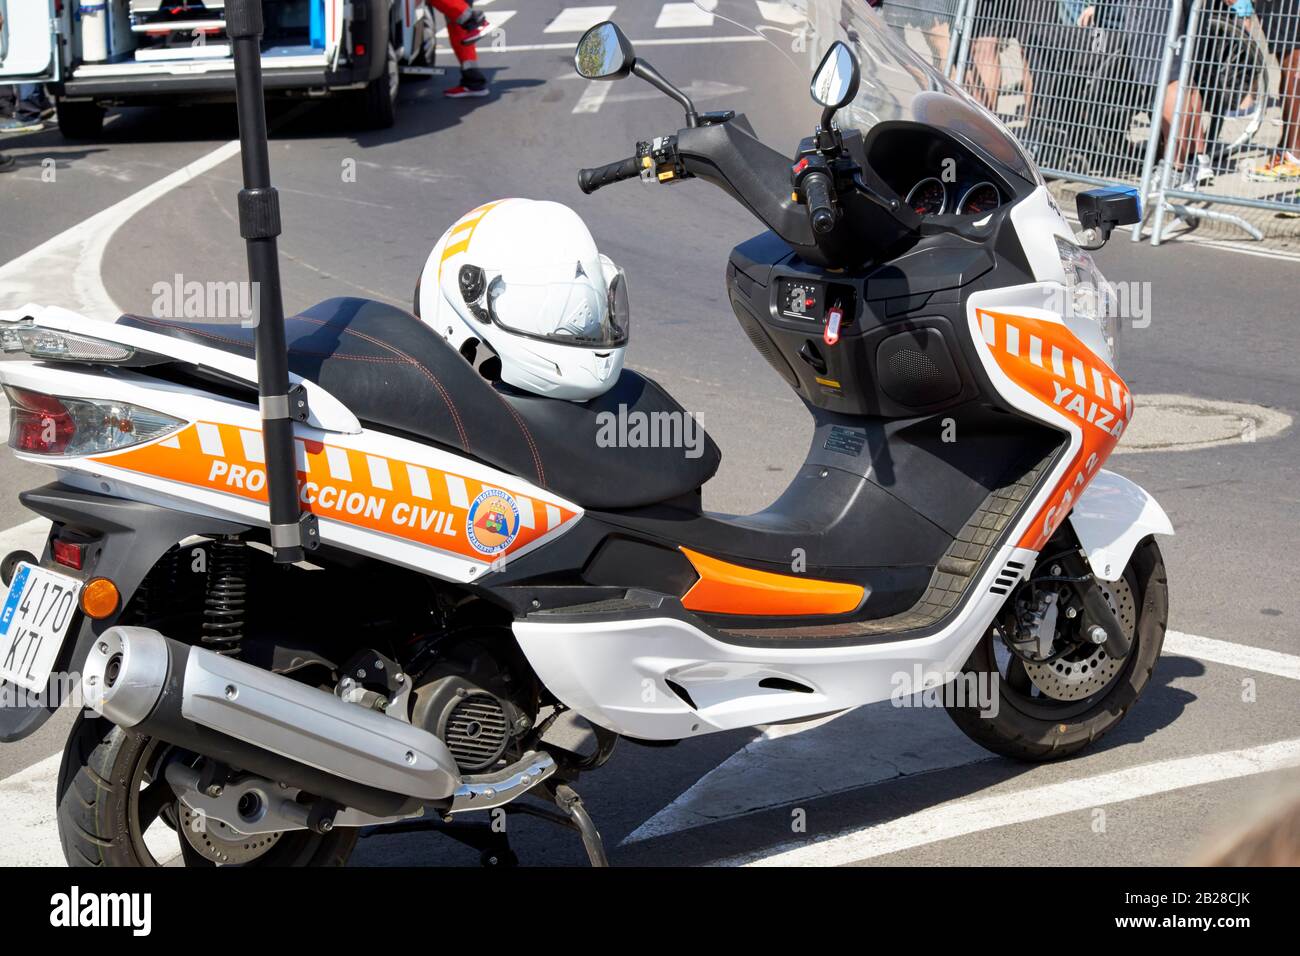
[28, 50]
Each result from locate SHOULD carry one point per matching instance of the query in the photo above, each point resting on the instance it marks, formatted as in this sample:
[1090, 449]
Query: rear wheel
[80, 120]
[115, 809]
[1049, 710]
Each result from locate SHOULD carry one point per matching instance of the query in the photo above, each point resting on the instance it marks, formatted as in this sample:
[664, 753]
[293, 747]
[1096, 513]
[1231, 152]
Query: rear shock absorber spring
[227, 595]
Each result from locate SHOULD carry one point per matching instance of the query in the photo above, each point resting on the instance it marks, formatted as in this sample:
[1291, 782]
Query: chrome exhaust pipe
[266, 723]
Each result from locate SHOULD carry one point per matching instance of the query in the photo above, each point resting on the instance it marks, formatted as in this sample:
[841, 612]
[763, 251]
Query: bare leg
[1290, 102]
[938, 39]
[988, 70]
[1191, 137]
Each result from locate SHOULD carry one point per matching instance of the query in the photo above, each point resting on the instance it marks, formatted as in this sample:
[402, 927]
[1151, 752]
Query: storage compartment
[110, 35]
[882, 342]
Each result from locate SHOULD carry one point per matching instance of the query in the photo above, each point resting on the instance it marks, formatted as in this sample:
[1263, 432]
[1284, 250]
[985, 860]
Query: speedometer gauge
[928, 197]
[980, 198]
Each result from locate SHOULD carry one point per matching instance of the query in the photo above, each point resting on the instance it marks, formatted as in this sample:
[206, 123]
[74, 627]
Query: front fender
[1111, 516]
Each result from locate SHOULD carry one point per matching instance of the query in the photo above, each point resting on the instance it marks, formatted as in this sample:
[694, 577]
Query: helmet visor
[575, 312]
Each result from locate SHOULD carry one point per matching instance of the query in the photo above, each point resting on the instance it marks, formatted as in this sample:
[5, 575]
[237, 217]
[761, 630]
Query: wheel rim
[158, 823]
[392, 72]
[1020, 690]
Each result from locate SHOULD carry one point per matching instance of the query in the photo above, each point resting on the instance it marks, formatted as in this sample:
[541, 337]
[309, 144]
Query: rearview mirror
[836, 81]
[604, 53]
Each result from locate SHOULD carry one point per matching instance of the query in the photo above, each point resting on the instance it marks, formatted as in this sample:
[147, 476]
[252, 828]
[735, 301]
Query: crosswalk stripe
[496, 20]
[579, 19]
[681, 15]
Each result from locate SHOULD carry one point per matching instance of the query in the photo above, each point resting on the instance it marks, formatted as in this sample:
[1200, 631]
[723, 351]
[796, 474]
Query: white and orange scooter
[325, 573]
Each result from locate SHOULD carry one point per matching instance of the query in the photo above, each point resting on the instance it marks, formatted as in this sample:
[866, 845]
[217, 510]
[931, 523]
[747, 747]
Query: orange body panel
[1049, 362]
[420, 504]
[725, 588]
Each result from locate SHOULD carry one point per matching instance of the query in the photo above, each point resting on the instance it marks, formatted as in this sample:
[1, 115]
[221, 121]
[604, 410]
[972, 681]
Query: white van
[97, 53]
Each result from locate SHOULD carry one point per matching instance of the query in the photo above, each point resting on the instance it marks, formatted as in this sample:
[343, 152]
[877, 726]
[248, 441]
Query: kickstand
[573, 815]
[567, 799]
[494, 847]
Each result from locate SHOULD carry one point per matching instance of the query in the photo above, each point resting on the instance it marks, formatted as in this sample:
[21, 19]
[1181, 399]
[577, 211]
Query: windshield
[898, 80]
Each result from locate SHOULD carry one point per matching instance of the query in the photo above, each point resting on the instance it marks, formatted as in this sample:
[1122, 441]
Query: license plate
[34, 620]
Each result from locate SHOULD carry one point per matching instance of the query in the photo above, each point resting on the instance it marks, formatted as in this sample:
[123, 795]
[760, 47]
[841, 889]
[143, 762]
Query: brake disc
[1086, 671]
[217, 842]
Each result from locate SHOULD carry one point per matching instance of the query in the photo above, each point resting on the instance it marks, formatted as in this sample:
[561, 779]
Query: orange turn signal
[99, 598]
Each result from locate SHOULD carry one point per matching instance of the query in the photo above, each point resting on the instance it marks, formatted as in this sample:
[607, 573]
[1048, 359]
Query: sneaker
[1279, 169]
[465, 92]
[1200, 174]
[21, 126]
[475, 28]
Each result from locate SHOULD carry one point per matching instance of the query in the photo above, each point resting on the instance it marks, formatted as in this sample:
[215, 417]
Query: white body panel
[327, 412]
[546, 514]
[615, 673]
[1111, 516]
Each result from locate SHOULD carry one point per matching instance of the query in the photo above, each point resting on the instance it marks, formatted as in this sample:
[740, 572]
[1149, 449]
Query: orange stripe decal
[1050, 363]
[438, 509]
[725, 588]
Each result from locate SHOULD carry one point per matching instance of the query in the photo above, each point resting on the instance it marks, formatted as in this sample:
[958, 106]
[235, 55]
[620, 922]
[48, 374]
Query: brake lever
[862, 189]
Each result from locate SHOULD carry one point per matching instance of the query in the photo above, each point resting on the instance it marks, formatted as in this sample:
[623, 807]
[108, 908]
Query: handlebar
[821, 211]
[589, 180]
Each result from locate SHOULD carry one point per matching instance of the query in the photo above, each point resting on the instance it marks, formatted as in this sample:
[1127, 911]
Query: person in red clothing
[465, 27]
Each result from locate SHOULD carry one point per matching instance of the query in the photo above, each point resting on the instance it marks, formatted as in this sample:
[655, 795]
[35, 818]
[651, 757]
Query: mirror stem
[652, 76]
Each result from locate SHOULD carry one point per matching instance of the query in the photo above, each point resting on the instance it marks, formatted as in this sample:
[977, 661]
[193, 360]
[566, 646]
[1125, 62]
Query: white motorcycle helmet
[525, 278]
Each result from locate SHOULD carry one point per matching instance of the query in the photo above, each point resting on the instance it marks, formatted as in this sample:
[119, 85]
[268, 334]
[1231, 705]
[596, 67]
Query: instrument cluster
[932, 196]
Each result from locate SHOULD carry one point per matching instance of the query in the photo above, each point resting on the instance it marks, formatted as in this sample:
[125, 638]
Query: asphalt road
[895, 786]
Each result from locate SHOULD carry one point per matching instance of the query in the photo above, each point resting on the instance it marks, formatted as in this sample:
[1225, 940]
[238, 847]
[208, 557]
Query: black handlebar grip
[589, 180]
[821, 211]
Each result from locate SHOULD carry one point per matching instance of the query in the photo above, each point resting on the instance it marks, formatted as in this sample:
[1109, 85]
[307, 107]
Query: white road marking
[795, 762]
[579, 19]
[781, 11]
[65, 270]
[29, 536]
[31, 834]
[963, 817]
[593, 96]
[787, 763]
[674, 16]
[496, 21]
[652, 41]
[1234, 655]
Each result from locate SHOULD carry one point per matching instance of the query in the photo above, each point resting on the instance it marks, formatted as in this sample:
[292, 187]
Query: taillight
[67, 553]
[41, 424]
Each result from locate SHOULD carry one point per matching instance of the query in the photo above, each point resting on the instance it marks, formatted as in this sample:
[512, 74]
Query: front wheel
[1046, 711]
[376, 105]
[116, 809]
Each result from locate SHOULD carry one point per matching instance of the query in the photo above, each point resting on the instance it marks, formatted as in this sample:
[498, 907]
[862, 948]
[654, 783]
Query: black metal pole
[259, 224]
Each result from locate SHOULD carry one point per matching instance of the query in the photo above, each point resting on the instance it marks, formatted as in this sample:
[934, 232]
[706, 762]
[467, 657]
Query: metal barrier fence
[1091, 86]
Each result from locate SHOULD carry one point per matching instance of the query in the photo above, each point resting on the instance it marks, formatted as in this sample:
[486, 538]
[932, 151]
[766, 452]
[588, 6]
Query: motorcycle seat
[396, 373]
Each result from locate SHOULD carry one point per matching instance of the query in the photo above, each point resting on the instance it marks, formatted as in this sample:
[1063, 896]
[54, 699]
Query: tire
[99, 798]
[80, 120]
[377, 103]
[1023, 731]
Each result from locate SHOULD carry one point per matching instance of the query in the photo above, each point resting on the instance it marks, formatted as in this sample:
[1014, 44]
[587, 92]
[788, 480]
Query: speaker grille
[915, 368]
